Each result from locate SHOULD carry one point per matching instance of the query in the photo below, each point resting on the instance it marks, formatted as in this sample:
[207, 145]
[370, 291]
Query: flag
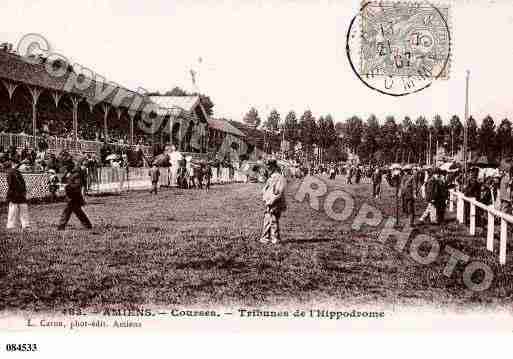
[193, 76]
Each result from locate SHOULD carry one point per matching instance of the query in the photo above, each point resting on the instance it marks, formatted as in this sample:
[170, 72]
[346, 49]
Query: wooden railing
[492, 213]
[110, 179]
[57, 143]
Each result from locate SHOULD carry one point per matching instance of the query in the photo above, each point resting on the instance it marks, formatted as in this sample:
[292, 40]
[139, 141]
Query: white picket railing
[492, 213]
[58, 143]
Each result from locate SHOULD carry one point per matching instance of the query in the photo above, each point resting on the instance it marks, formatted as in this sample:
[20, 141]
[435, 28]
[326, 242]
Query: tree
[252, 118]
[371, 139]
[340, 127]
[331, 133]
[273, 121]
[353, 133]
[326, 134]
[438, 130]
[407, 139]
[320, 136]
[421, 138]
[176, 91]
[205, 100]
[504, 139]
[207, 103]
[308, 129]
[487, 144]
[291, 127]
[390, 138]
[455, 139]
[472, 135]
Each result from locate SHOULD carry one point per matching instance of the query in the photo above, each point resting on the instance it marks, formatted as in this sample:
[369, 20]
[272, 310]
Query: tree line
[408, 140]
[413, 141]
[318, 136]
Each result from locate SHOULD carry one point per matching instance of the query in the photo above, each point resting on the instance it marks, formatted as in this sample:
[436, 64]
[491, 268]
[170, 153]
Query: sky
[288, 55]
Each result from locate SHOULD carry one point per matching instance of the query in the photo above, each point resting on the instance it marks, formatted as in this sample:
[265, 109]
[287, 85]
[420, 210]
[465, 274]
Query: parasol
[449, 166]
[483, 162]
[162, 160]
[112, 157]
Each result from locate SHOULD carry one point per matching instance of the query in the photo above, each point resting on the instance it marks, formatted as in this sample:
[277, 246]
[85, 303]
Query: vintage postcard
[254, 166]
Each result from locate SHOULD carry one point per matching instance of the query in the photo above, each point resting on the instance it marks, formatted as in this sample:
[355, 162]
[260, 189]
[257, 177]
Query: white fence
[492, 213]
[219, 176]
[57, 143]
[108, 179]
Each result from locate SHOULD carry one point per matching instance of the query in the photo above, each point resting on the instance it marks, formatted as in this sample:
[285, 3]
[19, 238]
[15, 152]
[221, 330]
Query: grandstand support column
[75, 102]
[131, 114]
[106, 109]
[56, 98]
[119, 113]
[11, 87]
[35, 92]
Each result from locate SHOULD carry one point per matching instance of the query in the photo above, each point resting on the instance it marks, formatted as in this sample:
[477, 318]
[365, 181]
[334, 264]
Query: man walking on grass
[154, 174]
[407, 194]
[273, 195]
[377, 177]
[73, 190]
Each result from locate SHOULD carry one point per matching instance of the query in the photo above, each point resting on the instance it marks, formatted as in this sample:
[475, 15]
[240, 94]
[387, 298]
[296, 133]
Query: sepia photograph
[255, 166]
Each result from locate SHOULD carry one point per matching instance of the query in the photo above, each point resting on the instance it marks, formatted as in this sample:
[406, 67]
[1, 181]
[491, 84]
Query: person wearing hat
[174, 159]
[154, 175]
[53, 185]
[407, 194]
[18, 214]
[471, 190]
[273, 195]
[440, 196]
[429, 192]
[377, 177]
[73, 190]
[24, 166]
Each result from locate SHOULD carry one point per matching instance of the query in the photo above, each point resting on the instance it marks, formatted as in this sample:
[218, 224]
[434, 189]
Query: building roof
[224, 126]
[13, 67]
[19, 69]
[186, 103]
[253, 136]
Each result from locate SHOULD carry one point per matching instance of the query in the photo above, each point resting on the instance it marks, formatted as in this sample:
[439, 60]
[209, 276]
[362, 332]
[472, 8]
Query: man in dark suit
[472, 190]
[75, 199]
[441, 196]
[407, 194]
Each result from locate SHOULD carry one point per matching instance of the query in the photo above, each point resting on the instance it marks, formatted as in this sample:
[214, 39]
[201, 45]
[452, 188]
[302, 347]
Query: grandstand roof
[33, 72]
[184, 102]
[224, 126]
[253, 135]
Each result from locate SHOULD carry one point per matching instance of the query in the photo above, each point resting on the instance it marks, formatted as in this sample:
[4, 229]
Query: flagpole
[465, 129]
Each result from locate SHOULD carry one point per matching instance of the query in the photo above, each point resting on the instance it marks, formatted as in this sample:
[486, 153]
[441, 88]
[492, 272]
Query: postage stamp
[403, 46]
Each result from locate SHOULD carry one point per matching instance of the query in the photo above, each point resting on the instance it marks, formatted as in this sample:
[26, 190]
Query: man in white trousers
[18, 215]
[430, 187]
[174, 158]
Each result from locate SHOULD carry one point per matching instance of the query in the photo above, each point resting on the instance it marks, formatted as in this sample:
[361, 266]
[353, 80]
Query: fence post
[472, 219]
[490, 231]
[459, 207]
[504, 237]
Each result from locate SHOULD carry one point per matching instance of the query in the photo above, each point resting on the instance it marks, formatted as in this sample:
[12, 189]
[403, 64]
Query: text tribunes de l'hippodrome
[246, 313]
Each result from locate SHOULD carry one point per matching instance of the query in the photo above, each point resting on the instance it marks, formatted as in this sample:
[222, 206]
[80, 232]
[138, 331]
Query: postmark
[400, 48]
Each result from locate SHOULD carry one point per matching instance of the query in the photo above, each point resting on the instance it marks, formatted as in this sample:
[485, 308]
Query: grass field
[195, 247]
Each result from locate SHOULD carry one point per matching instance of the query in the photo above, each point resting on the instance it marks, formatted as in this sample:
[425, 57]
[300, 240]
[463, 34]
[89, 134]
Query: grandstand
[39, 102]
